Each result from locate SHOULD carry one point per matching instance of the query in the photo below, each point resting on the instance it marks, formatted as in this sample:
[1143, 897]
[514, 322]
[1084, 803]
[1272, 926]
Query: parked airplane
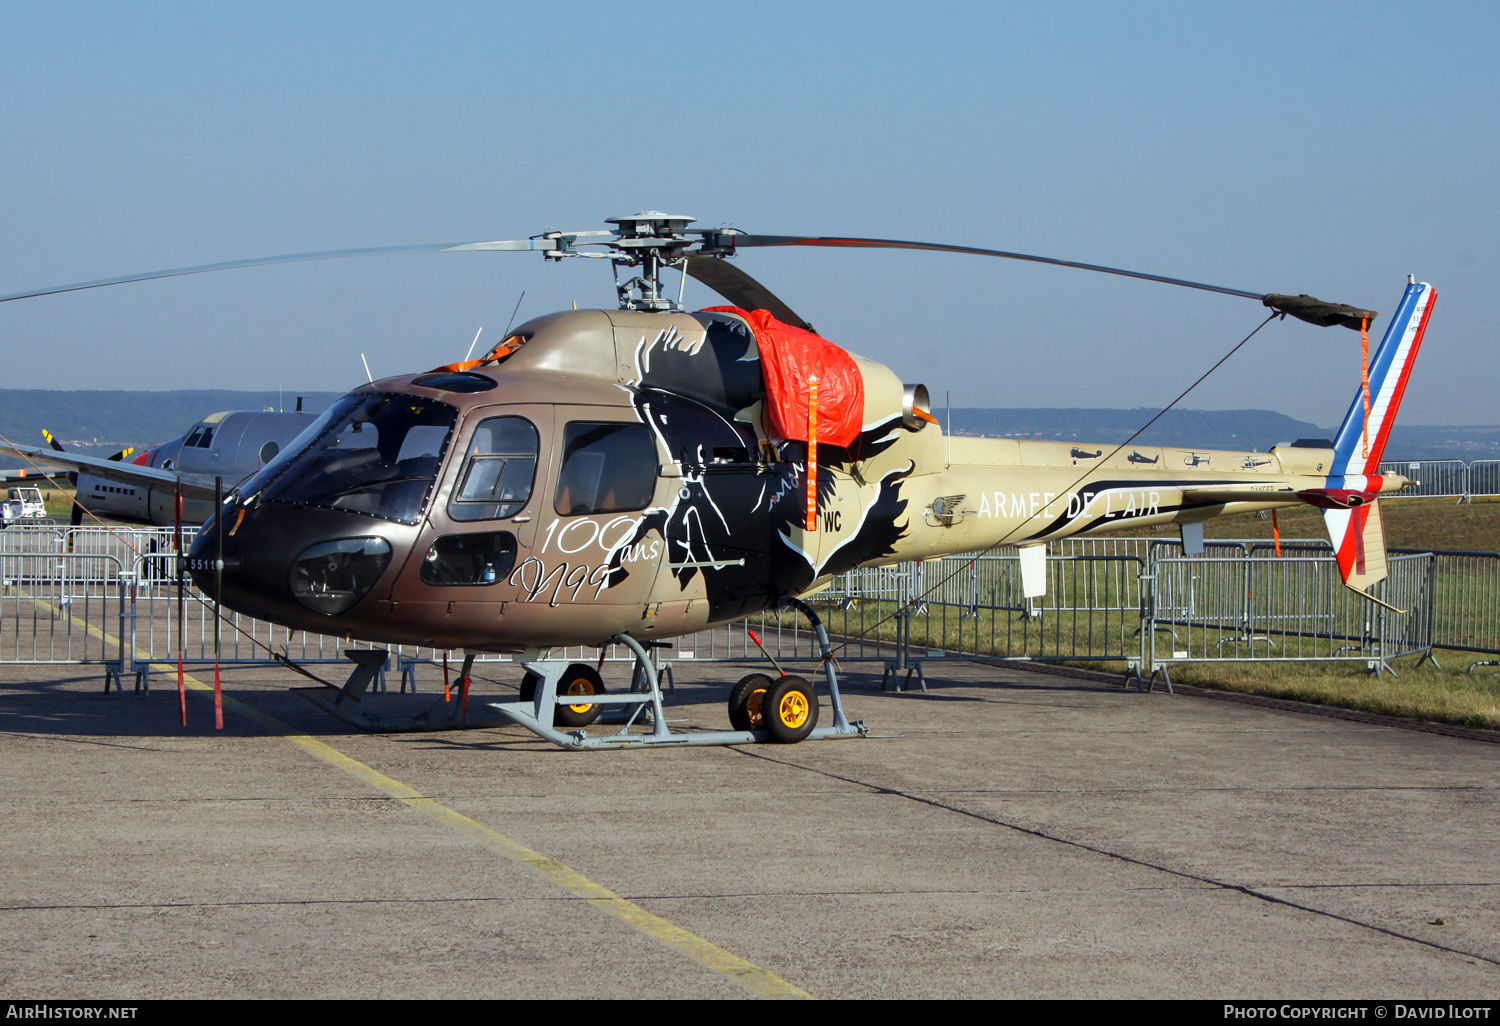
[231, 445]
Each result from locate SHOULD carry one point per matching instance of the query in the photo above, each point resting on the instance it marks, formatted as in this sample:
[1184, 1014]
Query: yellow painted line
[747, 974]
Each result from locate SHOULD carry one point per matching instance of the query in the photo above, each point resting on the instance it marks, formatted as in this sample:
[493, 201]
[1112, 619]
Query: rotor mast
[649, 240]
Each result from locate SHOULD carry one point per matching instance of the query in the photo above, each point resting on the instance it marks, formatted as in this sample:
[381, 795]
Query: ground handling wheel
[745, 702]
[578, 679]
[790, 709]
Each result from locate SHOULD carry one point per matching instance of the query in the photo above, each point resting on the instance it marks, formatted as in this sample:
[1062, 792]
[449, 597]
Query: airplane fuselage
[231, 444]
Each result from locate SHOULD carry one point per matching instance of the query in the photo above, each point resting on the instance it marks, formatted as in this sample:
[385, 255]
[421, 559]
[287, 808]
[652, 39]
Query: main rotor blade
[540, 245]
[740, 289]
[741, 241]
[1306, 308]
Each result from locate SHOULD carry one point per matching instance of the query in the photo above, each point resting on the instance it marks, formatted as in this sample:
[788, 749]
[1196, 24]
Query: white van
[30, 500]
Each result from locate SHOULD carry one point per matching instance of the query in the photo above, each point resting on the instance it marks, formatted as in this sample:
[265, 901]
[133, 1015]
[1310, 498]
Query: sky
[1329, 149]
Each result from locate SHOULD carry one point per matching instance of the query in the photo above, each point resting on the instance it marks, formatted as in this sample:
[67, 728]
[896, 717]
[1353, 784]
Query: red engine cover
[789, 357]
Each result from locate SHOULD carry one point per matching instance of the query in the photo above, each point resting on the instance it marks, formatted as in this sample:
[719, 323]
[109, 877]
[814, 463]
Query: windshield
[372, 454]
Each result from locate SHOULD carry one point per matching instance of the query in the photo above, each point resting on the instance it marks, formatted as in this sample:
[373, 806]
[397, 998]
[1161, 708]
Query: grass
[59, 500]
[1440, 695]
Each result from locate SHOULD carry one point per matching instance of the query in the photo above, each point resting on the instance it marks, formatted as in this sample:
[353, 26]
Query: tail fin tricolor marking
[1390, 368]
[1358, 537]
[1358, 532]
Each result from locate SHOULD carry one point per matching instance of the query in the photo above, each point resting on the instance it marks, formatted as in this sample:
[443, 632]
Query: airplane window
[268, 452]
[378, 454]
[469, 559]
[497, 481]
[205, 439]
[191, 441]
[607, 468]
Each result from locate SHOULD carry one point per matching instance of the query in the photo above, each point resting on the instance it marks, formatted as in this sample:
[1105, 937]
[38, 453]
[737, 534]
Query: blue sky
[1328, 149]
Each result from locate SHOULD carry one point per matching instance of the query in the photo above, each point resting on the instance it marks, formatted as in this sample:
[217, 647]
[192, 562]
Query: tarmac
[1008, 834]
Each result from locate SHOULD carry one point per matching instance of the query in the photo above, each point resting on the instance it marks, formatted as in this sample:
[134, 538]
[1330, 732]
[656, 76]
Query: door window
[607, 468]
[457, 559]
[499, 470]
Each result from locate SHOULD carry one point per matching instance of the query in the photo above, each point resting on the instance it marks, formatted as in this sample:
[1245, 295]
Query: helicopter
[640, 473]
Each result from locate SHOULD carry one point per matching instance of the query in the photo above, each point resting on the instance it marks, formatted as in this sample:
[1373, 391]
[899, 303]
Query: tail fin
[1390, 367]
[1358, 532]
[1358, 536]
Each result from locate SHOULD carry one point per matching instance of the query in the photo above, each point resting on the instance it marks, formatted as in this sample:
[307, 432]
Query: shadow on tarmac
[59, 700]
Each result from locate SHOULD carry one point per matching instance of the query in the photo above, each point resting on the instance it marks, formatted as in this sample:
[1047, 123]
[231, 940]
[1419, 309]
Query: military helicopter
[635, 474]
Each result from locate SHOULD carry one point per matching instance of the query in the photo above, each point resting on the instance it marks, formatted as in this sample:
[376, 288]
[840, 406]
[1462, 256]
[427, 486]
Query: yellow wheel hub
[754, 707]
[793, 709]
[580, 687]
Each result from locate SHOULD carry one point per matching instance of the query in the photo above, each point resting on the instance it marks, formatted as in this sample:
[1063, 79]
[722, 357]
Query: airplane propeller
[72, 476]
[661, 240]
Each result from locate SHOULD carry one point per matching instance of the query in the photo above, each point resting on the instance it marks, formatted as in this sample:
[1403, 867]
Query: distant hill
[103, 422]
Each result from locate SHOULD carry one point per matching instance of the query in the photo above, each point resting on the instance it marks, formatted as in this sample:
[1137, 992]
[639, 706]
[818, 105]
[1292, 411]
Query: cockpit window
[498, 474]
[607, 468]
[200, 438]
[374, 454]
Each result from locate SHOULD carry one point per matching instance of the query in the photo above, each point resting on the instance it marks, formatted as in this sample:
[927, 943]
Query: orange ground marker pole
[181, 610]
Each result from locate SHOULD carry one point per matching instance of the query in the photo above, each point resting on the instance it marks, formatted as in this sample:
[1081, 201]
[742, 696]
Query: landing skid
[345, 704]
[537, 715]
[641, 705]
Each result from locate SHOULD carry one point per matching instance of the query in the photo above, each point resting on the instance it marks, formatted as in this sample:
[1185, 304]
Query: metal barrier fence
[61, 608]
[1465, 602]
[1140, 601]
[974, 606]
[1484, 477]
[1446, 478]
[1213, 609]
[121, 543]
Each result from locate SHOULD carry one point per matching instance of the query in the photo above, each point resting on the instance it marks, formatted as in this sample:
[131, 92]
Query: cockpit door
[483, 519]
[599, 539]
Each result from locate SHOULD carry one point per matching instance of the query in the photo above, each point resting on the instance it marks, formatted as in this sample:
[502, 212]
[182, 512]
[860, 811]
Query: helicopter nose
[303, 568]
[204, 564]
[333, 576]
